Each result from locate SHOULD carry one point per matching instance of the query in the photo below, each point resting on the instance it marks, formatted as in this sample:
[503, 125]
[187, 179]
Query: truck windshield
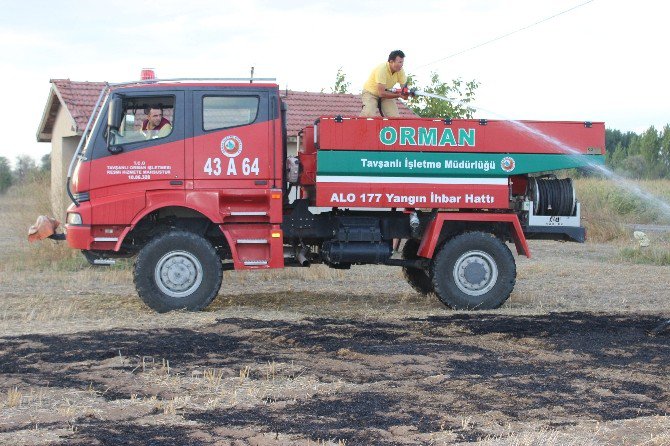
[93, 130]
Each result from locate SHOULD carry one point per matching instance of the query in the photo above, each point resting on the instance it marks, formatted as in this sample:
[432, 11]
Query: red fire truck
[209, 187]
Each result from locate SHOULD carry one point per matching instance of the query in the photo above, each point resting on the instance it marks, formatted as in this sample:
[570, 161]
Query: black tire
[419, 279]
[177, 270]
[473, 271]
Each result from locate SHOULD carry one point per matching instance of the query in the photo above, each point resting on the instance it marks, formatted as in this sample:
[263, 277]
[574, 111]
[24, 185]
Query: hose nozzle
[404, 90]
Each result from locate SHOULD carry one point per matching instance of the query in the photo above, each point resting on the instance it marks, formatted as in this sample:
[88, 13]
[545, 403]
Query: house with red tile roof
[70, 104]
[64, 119]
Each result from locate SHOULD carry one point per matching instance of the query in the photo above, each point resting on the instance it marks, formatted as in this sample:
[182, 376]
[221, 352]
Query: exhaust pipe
[297, 254]
[302, 257]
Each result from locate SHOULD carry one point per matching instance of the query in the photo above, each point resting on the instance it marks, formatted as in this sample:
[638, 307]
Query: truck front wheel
[177, 270]
[473, 271]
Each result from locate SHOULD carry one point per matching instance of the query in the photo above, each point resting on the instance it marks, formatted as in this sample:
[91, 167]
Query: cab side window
[146, 118]
[221, 112]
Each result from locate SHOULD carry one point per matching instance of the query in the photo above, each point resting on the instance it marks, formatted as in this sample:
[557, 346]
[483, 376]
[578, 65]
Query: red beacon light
[147, 74]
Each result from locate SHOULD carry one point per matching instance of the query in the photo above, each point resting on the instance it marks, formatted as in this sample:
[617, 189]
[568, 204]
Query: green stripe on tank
[338, 162]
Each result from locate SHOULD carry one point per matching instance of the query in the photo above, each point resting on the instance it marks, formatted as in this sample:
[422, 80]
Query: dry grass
[209, 389]
[319, 442]
[559, 277]
[21, 205]
[643, 431]
[14, 397]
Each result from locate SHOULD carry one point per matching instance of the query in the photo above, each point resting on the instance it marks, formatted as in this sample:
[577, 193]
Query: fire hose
[413, 91]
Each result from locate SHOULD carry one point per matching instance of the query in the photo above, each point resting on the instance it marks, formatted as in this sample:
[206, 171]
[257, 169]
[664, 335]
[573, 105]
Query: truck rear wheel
[177, 270]
[473, 271]
[419, 279]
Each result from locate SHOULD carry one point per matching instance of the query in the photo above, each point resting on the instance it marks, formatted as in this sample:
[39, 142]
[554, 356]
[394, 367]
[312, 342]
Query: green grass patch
[646, 256]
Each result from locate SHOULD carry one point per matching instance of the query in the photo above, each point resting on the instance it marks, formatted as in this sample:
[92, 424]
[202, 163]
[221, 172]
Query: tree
[634, 167]
[639, 156]
[665, 146]
[341, 84]
[615, 137]
[45, 163]
[25, 166]
[650, 146]
[5, 174]
[456, 100]
[633, 147]
[616, 157]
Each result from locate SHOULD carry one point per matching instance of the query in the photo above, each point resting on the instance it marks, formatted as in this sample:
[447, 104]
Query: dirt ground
[316, 356]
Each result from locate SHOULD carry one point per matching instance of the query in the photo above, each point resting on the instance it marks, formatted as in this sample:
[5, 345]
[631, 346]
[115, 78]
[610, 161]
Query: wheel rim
[178, 274]
[475, 273]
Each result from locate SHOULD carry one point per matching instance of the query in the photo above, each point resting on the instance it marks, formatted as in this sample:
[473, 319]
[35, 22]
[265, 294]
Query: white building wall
[64, 142]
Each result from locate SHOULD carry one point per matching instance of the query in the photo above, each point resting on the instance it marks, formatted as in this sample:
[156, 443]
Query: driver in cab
[156, 126]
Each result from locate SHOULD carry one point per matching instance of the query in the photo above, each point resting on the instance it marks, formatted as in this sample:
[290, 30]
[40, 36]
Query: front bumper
[79, 236]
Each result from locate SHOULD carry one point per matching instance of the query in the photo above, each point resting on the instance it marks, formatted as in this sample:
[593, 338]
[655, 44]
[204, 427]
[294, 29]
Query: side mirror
[115, 114]
[114, 119]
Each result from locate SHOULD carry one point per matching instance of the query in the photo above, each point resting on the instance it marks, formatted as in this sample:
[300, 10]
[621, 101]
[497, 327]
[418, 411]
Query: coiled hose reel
[552, 196]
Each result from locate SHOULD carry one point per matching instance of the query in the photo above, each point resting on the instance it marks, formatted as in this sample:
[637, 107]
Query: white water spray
[436, 96]
[617, 179]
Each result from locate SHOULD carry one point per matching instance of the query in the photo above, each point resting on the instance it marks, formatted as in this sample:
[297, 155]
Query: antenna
[251, 78]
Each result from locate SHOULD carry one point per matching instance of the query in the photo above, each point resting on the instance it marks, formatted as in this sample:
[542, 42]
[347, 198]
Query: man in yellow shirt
[384, 77]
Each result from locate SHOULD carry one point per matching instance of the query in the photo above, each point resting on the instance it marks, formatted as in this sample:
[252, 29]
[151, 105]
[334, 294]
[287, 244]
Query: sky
[606, 60]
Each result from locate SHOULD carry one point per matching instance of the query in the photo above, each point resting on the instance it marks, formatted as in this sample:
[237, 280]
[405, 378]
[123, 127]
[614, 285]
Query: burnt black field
[553, 369]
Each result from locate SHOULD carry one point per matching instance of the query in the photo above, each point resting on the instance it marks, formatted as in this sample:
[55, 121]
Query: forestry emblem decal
[231, 146]
[507, 164]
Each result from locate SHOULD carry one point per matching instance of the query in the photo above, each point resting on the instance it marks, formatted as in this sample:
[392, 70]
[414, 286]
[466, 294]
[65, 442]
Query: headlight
[73, 219]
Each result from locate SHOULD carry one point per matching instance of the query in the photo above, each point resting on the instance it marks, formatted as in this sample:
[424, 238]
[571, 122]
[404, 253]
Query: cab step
[255, 262]
[248, 214]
